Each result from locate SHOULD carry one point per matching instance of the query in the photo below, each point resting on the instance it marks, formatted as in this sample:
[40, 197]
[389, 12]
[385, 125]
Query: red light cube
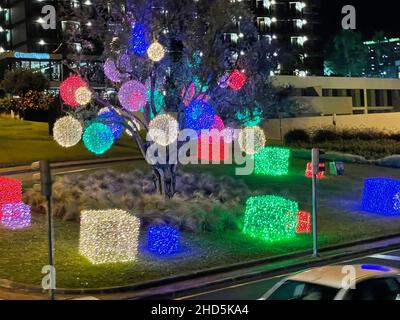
[320, 174]
[10, 191]
[303, 222]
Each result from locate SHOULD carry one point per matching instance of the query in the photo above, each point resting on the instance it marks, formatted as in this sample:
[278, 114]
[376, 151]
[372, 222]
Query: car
[369, 282]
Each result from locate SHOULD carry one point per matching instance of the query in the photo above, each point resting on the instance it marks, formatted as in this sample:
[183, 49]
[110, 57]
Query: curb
[15, 286]
[68, 164]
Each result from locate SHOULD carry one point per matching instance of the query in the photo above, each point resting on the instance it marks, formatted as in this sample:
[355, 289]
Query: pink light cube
[303, 222]
[16, 216]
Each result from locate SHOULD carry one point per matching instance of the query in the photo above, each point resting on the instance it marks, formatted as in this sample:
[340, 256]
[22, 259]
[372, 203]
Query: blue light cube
[163, 240]
[382, 196]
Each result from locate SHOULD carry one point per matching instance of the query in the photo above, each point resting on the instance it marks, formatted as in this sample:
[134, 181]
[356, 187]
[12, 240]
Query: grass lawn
[23, 142]
[24, 253]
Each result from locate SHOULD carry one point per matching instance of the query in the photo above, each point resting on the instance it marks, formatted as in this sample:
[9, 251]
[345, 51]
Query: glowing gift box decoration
[303, 222]
[16, 216]
[270, 218]
[382, 196]
[163, 240]
[109, 236]
[320, 174]
[332, 169]
[272, 161]
[10, 191]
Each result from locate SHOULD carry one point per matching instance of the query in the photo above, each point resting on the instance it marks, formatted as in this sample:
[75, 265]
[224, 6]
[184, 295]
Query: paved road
[254, 290]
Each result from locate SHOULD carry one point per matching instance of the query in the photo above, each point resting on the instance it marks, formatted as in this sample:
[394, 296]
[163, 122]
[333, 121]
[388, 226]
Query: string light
[133, 95]
[111, 71]
[10, 191]
[98, 138]
[271, 161]
[303, 222]
[125, 63]
[236, 80]
[67, 131]
[83, 96]
[164, 130]
[156, 52]
[223, 81]
[380, 196]
[163, 240]
[199, 115]
[249, 118]
[68, 90]
[270, 218]
[139, 44]
[251, 140]
[109, 236]
[159, 102]
[112, 120]
[188, 94]
[16, 216]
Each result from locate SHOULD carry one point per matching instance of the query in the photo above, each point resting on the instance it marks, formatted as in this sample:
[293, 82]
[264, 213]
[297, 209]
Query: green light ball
[98, 138]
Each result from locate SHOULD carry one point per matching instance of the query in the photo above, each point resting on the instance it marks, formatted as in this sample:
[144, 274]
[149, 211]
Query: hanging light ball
[111, 71]
[236, 80]
[68, 89]
[251, 140]
[135, 125]
[156, 52]
[229, 135]
[67, 131]
[83, 96]
[164, 130]
[112, 120]
[133, 95]
[199, 115]
[98, 138]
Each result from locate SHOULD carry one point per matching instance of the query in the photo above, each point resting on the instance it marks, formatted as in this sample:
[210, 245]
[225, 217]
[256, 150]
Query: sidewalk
[175, 287]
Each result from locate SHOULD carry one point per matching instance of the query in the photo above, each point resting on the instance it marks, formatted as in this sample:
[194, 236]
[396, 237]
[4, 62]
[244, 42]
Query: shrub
[204, 203]
[325, 135]
[297, 135]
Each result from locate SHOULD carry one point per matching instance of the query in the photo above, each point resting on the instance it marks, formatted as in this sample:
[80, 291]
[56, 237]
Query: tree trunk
[165, 179]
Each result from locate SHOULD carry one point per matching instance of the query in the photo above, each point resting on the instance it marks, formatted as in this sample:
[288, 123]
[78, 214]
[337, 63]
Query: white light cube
[109, 236]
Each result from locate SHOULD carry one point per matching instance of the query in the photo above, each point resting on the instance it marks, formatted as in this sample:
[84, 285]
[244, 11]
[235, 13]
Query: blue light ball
[98, 138]
[113, 121]
[199, 115]
[139, 44]
[163, 240]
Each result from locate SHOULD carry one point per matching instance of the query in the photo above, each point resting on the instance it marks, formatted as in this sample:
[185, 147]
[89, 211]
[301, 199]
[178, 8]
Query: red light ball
[236, 80]
[68, 89]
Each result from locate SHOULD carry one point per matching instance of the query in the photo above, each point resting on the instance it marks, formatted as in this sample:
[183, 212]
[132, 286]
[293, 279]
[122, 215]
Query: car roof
[332, 276]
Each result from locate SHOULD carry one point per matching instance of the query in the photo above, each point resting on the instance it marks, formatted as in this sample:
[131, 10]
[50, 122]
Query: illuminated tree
[166, 58]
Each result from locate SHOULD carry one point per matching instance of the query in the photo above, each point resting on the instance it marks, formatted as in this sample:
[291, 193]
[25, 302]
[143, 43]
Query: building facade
[383, 58]
[293, 26]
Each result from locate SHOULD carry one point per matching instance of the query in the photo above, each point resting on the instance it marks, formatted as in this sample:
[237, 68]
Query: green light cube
[272, 161]
[270, 218]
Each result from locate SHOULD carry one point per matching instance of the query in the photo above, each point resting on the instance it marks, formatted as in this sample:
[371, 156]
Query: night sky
[371, 16]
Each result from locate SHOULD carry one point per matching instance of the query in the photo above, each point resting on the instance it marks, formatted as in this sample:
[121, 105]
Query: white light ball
[156, 52]
[251, 140]
[134, 124]
[83, 95]
[164, 130]
[67, 131]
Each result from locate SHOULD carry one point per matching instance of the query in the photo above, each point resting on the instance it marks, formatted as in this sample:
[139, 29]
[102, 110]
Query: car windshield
[295, 290]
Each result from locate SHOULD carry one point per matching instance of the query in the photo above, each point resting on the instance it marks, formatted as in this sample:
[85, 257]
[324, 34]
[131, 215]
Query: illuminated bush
[16, 216]
[109, 236]
[381, 195]
[163, 240]
[272, 162]
[270, 218]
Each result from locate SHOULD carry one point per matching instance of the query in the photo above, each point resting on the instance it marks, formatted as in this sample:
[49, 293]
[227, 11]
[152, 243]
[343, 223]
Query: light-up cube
[16, 216]
[321, 170]
[163, 240]
[272, 161]
[381, 195]
[10, 191]
[109, 236]
[270, 218]
[303, 222]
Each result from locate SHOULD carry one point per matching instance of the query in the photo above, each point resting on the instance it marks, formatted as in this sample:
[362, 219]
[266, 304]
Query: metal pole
[51, 248]
[315, 168]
